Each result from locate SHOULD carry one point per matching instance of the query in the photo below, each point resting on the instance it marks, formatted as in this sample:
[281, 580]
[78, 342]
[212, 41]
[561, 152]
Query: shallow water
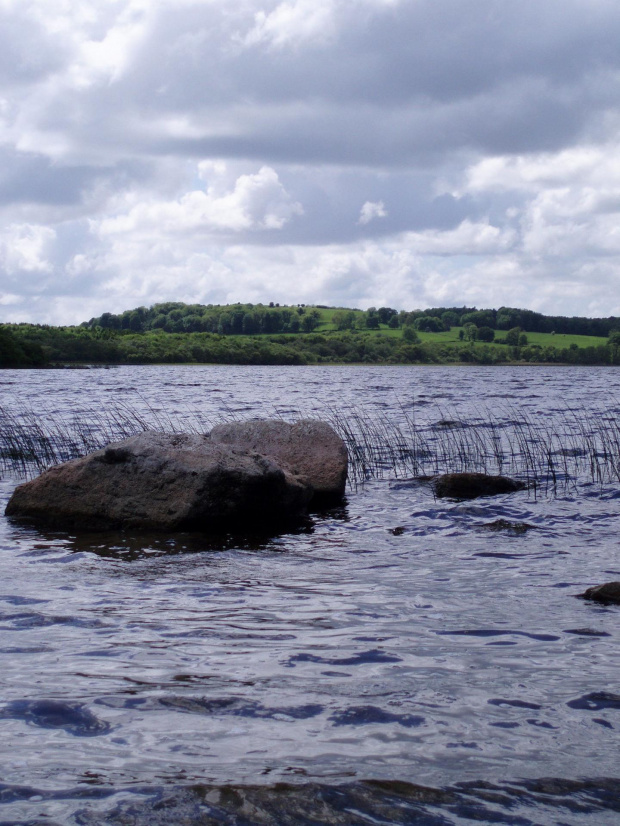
[434, 648]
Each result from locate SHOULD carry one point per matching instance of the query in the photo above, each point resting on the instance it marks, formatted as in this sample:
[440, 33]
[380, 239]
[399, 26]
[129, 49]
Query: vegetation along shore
[174, 332]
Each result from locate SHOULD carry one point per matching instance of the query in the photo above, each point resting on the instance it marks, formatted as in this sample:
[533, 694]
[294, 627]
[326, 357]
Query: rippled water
[398, 660]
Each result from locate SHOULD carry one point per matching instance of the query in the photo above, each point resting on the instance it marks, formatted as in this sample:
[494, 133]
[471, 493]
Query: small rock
[472, 485]
[609, 593]
[505, 525]
[448, 424]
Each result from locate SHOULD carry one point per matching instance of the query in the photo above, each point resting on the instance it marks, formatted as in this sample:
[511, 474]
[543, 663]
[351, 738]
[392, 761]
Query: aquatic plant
[547, 454]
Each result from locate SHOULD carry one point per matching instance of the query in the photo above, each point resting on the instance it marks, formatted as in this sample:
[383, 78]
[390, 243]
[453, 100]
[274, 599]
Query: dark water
[399, 660]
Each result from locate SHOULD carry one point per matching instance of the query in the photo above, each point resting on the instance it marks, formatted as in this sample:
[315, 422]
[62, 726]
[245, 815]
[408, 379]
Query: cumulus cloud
[587, 165]
[257, 202]
[221, 151]
[372, 210]
[23, 249]
[569, 202]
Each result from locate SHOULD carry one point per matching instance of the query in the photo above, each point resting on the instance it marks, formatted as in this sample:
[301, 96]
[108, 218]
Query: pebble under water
[399, 659]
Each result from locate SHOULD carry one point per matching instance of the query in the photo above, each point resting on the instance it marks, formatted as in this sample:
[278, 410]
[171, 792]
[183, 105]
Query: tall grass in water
[549, 453]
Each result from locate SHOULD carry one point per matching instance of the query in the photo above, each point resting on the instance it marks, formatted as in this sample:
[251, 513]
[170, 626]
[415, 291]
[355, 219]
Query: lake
[399, 659]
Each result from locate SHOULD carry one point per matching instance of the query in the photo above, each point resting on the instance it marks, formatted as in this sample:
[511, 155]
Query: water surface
[398, 659]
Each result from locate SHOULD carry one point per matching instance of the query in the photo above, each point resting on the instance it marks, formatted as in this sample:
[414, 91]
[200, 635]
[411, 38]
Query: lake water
[400, 659]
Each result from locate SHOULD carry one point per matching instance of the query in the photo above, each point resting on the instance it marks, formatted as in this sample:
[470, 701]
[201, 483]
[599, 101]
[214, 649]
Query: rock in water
[157, 481]
[472, 485]
[311, 449]
[609, 593]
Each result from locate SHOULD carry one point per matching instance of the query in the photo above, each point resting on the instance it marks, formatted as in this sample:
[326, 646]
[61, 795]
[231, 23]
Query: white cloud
[24, 248]
[257, 202]
[570, 200]
[293, 23]
[467, 239]
[579, 166]
[371, 210]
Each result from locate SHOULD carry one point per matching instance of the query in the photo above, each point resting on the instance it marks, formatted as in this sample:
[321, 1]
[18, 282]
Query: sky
[402, 153]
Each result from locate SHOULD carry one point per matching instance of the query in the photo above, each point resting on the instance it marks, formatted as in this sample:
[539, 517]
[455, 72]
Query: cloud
[221, 151]
[372, 210]
[569, 201]
[257, 202]
[23, 249]
[585, 165]
[302, 22]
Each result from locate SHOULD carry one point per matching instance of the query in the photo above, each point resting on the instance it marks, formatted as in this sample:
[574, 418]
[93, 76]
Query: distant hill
[177, 333]
[260, 319]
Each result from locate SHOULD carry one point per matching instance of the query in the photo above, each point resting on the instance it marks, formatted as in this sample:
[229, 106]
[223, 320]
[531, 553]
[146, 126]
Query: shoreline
[461, 364]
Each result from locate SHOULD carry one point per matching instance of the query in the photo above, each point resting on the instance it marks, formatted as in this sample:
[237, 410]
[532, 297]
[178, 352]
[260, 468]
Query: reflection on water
[398, 660]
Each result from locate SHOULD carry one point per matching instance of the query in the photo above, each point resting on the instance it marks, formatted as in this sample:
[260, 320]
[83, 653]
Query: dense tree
[486, 334]
[386, 314]
[532, 322]
[470, 331]
[450, 319]
[481, 318]
[428, 324]
[372, 319]
[310, 321]
[410, 335]
[18, 353]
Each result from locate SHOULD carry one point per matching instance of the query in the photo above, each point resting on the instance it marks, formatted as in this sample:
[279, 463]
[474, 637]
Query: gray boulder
[609, 593]
[156, 481]
[473, 485]
[312, 450]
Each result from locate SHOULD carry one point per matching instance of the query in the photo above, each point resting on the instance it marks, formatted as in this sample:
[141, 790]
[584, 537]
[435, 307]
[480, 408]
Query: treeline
[507, 318]
[19, 350]
[226, 320]
[27, 345]
[260, 319]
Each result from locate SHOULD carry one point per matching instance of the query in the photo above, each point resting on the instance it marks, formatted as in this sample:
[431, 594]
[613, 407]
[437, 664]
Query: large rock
[472, 485]
[608, 594]
[163, 482]
[311, 449]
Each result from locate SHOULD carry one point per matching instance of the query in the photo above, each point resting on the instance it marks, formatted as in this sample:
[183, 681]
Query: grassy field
[558, 340]
[451, 336]
[561, 340]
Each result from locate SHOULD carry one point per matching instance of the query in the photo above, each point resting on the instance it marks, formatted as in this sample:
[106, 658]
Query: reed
[549, 454]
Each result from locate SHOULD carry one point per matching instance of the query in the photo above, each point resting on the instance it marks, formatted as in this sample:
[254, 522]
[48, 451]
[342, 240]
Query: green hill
[271, 334]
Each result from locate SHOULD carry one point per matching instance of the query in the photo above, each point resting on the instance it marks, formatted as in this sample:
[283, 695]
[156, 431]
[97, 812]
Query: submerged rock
[609, 593]
[448, 424]
[505, 525]
[311, 449]
[163, 482]
[473, 485]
